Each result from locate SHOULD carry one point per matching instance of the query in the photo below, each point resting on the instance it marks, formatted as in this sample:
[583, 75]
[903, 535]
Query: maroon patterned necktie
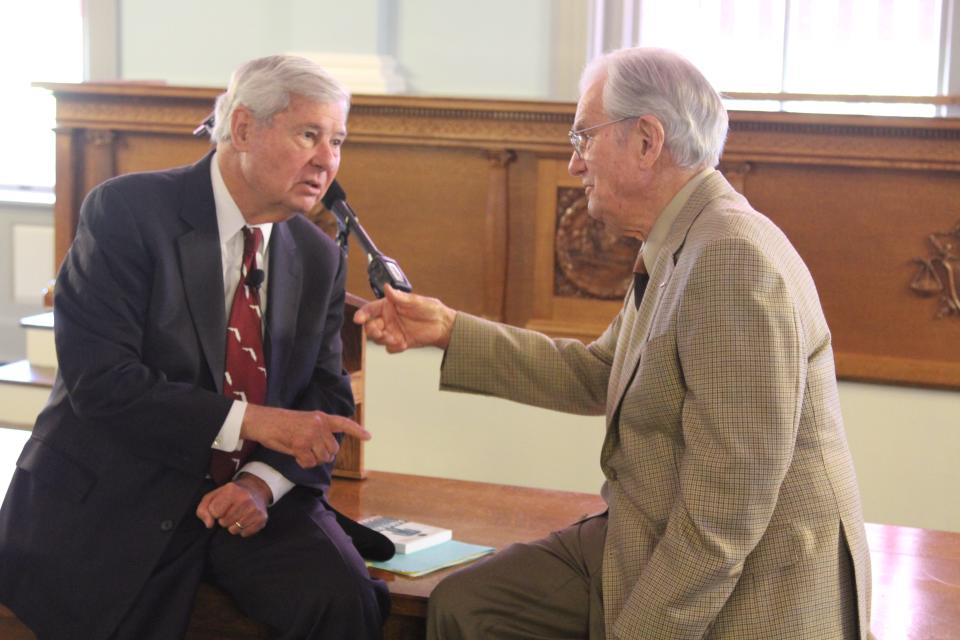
[245, 373]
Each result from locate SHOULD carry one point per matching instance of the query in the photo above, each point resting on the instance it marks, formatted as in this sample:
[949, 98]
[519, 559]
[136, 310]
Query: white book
[407, 536]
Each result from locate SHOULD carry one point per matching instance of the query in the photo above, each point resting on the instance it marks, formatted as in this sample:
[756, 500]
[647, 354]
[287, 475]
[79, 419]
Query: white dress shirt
[230, 222]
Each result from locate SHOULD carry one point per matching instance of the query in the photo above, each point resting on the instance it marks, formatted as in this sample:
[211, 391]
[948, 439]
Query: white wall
[418, 429]
[904, 441]
[508, 48]
[25, 268]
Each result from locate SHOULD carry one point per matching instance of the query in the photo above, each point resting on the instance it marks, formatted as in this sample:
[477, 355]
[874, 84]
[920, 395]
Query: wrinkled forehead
[308, 110]
[590, 105]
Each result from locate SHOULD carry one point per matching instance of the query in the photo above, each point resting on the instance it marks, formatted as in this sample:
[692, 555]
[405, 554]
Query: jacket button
[166, 525]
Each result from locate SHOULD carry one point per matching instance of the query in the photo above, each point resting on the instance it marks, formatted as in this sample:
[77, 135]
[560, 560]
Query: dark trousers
[543, 590]
[300, 575]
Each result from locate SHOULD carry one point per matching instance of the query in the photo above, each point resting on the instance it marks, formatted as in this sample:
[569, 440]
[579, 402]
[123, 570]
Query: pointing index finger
[339, 424]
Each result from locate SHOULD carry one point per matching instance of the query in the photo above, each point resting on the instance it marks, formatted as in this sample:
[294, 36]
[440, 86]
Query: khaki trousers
[543, 590]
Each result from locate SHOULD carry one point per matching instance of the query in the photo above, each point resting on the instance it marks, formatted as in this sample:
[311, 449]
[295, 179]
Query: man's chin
[608, 226]
[303, 204]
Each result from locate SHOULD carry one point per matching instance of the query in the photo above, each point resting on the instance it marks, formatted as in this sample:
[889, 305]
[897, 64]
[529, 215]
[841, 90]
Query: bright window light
[40, 41]
[853, 47]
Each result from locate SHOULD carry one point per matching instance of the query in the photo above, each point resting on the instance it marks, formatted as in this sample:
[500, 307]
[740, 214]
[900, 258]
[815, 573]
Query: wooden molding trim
[855, 194]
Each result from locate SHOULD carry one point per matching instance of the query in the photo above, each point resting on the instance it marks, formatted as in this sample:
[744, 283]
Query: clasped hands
[399, 321]
[240, 506]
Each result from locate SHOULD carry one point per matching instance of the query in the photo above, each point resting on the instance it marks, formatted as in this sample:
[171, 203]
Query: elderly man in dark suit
[195, 415]
[733, 511]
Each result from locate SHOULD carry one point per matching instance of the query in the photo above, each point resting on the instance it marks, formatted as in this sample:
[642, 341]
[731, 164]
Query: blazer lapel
[284, 293]
[200, 268]
[637, 333]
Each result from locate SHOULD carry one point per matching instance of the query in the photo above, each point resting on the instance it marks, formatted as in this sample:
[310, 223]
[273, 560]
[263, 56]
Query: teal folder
[441, 556]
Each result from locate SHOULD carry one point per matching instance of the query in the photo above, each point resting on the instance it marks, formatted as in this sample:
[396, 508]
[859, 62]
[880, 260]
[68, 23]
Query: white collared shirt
[230, 222]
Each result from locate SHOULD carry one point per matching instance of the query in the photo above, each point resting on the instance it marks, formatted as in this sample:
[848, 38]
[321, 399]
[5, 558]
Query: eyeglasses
[579, 139]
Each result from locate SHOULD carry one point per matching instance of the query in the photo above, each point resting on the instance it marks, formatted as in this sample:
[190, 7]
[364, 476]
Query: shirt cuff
[229, 437]
[278, 483]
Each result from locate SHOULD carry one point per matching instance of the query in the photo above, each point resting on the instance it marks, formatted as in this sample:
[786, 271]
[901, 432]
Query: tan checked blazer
[731, 491]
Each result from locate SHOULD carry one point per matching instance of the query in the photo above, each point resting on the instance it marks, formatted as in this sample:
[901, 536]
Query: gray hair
[662, 83]
[264, 86]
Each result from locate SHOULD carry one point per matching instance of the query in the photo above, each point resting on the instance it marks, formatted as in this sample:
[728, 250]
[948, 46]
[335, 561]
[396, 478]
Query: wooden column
[497, 241]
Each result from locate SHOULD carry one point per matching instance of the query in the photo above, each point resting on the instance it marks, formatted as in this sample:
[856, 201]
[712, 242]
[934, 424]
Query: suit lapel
[200, 265]
[284, 293]
[636, 333]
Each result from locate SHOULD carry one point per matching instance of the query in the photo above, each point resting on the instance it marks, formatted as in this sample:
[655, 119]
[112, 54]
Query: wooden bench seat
[916, 572]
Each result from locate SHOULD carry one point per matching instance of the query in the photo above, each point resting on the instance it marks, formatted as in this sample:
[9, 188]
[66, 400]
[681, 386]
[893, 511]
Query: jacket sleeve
[326, 386]
[529, 367]
[101, 310]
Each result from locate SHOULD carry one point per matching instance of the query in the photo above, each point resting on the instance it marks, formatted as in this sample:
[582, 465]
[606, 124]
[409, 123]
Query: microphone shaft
[348, 218]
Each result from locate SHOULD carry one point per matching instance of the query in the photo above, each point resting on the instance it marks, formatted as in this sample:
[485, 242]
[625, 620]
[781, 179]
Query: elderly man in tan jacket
[733, 504]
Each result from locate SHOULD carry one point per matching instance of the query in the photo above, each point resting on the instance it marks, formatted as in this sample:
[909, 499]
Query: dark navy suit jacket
[121, 450]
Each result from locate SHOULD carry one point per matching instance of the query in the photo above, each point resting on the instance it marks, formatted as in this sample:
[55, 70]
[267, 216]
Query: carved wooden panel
[473, 198]
[591, 262]
[938, 274]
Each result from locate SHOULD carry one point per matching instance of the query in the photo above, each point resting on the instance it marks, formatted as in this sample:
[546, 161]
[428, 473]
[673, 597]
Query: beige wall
[904, 441]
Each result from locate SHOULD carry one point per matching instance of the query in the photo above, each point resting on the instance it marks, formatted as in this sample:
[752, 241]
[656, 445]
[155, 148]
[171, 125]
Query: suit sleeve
[529, 367]
[101, 307]
[739, 339]
[327, 387]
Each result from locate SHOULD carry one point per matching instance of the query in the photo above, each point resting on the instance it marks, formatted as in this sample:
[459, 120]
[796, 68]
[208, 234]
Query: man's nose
[576, 166]
[325, 155]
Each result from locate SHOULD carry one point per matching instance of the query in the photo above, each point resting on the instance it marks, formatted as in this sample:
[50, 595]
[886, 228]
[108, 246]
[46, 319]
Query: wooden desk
[481, 513]
[916, 583]
[916, 572]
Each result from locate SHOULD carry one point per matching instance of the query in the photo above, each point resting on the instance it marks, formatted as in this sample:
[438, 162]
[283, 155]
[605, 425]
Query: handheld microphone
[381, 269]
[205, 127]
[254, 279]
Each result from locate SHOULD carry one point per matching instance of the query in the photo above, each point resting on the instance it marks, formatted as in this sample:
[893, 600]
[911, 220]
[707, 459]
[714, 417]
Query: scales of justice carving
[591, 263]
[939, 275]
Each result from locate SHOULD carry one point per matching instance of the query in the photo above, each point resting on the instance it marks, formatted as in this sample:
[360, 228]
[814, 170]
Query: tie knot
[640, 266]
[251, 242]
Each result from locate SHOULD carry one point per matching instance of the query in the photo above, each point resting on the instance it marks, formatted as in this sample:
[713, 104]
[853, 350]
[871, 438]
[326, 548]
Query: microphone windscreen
[255, 278]
[334, 192]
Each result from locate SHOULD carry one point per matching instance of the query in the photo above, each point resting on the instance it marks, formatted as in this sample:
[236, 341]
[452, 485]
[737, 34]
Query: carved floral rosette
[590, 262]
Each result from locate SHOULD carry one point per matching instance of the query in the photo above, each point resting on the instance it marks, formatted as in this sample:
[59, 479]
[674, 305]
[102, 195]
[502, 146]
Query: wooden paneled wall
[473, 199]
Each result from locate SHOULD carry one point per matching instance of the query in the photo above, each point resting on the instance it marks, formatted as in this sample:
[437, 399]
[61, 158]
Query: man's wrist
[251, 419]
[450, 319]
[256, 485]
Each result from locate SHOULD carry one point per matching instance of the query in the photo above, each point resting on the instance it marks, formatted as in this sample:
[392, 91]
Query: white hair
[264, 86]
[644, 80]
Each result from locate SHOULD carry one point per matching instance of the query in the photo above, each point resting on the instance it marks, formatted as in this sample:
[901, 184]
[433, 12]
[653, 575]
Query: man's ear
[652, 139]
[241, 125]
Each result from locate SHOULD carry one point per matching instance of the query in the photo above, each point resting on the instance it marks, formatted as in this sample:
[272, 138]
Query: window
[845, 47]
[40, 41]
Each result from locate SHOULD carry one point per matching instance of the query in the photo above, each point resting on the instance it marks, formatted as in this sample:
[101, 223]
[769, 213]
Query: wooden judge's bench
[476, 191]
